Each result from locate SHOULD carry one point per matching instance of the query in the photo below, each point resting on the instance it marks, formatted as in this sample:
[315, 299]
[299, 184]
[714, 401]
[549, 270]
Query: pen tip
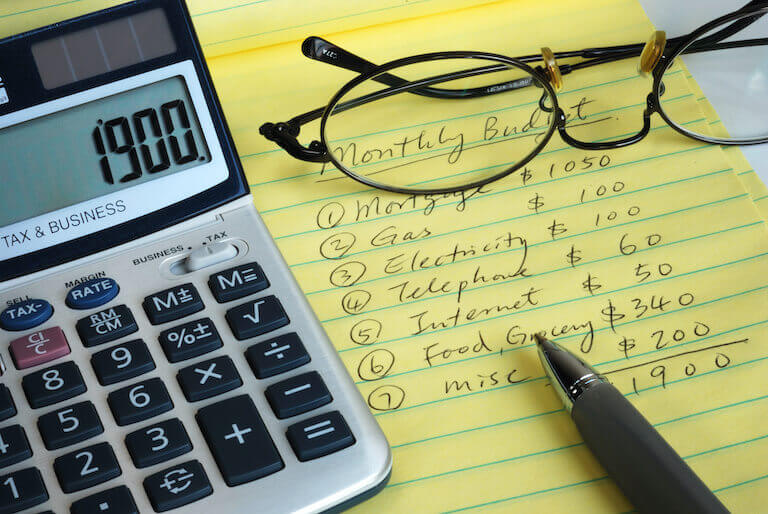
[540, 339]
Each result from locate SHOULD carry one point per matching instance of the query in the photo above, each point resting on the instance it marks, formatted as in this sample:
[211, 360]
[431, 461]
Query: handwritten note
[649, 261]
[646, 260]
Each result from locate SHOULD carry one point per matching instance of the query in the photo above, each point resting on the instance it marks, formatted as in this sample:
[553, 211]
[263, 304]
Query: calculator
[157, 353]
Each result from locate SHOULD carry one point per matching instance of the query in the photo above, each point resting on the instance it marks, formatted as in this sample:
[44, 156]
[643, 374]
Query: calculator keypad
[234, 430]
[53, 385]
[14, 446]
[86, 467]
[139, 402]
[122, 362]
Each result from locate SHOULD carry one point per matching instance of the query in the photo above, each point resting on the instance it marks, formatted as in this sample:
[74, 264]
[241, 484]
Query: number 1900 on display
[129, 138]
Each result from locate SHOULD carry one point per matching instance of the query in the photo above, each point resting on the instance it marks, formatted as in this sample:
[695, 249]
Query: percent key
[190, 340]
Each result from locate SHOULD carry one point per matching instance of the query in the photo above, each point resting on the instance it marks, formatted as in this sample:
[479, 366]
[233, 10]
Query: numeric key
[70, 425]
[53, 385]
[22, 490]
[139, 402]
[86, 467]
[14, 446]
[158, 443]
[122, 362]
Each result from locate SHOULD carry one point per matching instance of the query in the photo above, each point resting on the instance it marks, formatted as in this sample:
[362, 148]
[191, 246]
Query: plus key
[239, 441]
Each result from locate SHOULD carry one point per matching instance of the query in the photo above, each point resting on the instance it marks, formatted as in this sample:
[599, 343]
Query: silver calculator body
[157, 353]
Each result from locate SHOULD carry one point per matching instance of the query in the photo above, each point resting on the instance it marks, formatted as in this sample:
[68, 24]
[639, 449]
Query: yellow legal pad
[649, 261]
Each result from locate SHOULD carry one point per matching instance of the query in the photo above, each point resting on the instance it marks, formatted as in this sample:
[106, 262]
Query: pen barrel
[650, 473]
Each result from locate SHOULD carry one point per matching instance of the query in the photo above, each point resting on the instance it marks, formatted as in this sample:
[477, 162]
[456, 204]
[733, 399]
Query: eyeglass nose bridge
[561, 121]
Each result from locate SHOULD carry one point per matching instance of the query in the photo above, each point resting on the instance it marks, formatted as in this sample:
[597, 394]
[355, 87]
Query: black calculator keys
[70, 425]
[14, 446]
[277, 355]
[107, 325]
[53, 385]
[7, 407]
[22, 490]
[139, 401]
[209, 378]
[319, 436]
[158, 443]
[177, 486]
[298, 394]
[86, 467]
[240, 443]
[190, 340]
[235, 283]
[256, 317]
[172, 304]
[122, 362]
[118, 500]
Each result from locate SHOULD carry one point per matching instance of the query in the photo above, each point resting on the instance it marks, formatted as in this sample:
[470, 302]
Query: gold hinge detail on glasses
[652, 52]
[553, 70]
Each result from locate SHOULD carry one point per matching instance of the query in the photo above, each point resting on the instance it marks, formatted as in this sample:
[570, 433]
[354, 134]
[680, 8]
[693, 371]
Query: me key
[235, 283]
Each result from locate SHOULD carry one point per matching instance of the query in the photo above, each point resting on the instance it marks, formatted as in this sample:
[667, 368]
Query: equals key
[277, 355]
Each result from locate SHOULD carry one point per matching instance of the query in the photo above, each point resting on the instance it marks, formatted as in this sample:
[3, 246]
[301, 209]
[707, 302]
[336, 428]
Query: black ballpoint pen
[650, 473]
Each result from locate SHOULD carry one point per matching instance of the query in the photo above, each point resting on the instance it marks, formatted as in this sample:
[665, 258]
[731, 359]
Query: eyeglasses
[393, 128]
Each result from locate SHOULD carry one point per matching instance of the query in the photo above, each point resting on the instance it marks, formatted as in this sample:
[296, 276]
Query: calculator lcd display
[98, 148]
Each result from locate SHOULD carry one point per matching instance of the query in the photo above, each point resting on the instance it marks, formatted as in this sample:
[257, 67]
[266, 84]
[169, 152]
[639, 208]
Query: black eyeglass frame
[285, 133]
